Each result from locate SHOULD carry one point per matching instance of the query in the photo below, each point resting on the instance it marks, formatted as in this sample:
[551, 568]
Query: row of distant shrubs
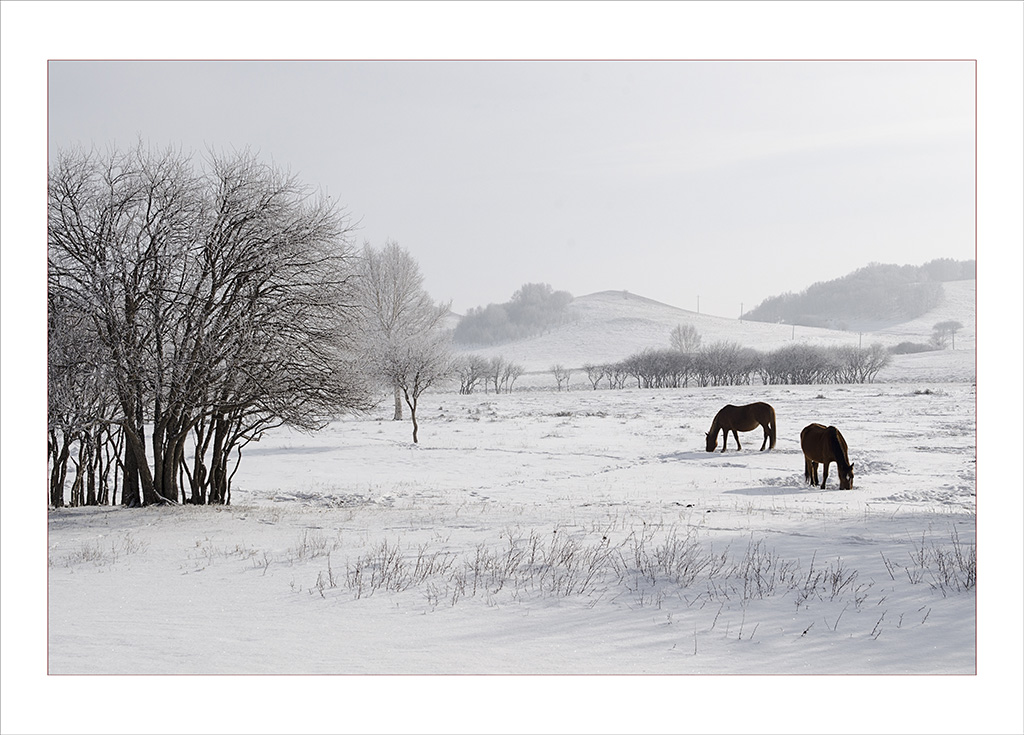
[910, 348]
[721, 363]
[728, 363]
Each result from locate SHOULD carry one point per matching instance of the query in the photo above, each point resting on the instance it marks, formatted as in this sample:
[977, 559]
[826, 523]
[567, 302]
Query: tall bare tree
[396, 306]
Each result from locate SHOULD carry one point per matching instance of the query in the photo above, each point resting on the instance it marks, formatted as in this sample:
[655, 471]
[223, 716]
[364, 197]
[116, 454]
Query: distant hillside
[609, 326]
[876, 293]
[533, 309]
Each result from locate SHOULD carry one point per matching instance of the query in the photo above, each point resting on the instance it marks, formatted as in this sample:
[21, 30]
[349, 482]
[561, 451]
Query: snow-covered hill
[611, 325]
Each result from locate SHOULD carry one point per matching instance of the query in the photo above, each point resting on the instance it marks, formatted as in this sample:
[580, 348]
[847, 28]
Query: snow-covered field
[542, 532]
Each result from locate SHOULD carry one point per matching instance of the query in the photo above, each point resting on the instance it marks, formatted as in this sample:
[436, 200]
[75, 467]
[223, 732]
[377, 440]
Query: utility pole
[698, 303]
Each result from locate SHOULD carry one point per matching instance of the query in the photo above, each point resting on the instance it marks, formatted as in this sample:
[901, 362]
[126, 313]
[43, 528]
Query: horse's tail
[771, 427]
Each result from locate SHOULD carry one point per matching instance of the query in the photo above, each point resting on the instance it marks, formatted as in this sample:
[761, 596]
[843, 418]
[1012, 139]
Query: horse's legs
[737, 438]
[725, 439]
[807, 470]
[765, 427]
[824, 475]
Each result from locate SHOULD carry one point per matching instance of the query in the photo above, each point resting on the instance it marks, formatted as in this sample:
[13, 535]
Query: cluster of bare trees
[191, 308]
[727, 363]
[497, 373]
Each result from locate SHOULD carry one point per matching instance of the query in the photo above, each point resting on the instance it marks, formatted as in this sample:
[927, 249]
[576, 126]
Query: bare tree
[118, 229]
[395, 303]
[510, 375]
[595, 373]
[81, 408]
[414, 365]
[470, 370]
[495, 369]
[943, 329]
[562, 376]
[878, 358]
[684, 338]
[277, 296]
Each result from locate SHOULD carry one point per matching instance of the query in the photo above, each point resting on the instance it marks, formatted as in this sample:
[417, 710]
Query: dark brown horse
[742, 418]
[825, 444]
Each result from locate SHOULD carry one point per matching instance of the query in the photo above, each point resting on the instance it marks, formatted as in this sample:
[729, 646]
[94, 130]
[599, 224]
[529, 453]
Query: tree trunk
[114, 447]
[398, 404]
[130, 496]
[60, 469]
[157, 442]
[218, 462]
[76, 486]
[412, 411]
[171, 450]
[103, 466]
[136, 448]
[91, 468]
[200, 472]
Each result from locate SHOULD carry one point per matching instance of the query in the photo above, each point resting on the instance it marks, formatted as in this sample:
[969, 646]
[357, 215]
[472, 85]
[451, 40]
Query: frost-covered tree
[414, 365]
[470, 370]
[945, 329]
[562, 375]
[277, 293]
[81, 409]
[216, 299]
[510, 374]
[595, 373]
[396, 306]
[859, 364]
[684, 338]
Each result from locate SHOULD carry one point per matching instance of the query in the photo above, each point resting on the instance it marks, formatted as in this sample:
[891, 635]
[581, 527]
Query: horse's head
[846, 478]
[712, 441]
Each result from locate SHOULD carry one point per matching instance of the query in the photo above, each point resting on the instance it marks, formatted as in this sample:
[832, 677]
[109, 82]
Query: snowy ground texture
[572, 533]
[544, 532]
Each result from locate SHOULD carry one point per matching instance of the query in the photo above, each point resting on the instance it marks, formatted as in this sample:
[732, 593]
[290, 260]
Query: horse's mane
[837, 448]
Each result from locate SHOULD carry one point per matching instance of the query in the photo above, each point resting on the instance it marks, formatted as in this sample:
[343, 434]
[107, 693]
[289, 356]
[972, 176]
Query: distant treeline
[533, 309]
[728, 363]
[498, 373]
[877, 291]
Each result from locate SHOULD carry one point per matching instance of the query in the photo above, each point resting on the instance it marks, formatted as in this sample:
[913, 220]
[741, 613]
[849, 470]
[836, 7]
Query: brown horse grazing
[742, 418]
[825, 445]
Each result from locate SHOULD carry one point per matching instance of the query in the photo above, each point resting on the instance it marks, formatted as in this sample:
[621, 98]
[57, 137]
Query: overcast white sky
[676, 180]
